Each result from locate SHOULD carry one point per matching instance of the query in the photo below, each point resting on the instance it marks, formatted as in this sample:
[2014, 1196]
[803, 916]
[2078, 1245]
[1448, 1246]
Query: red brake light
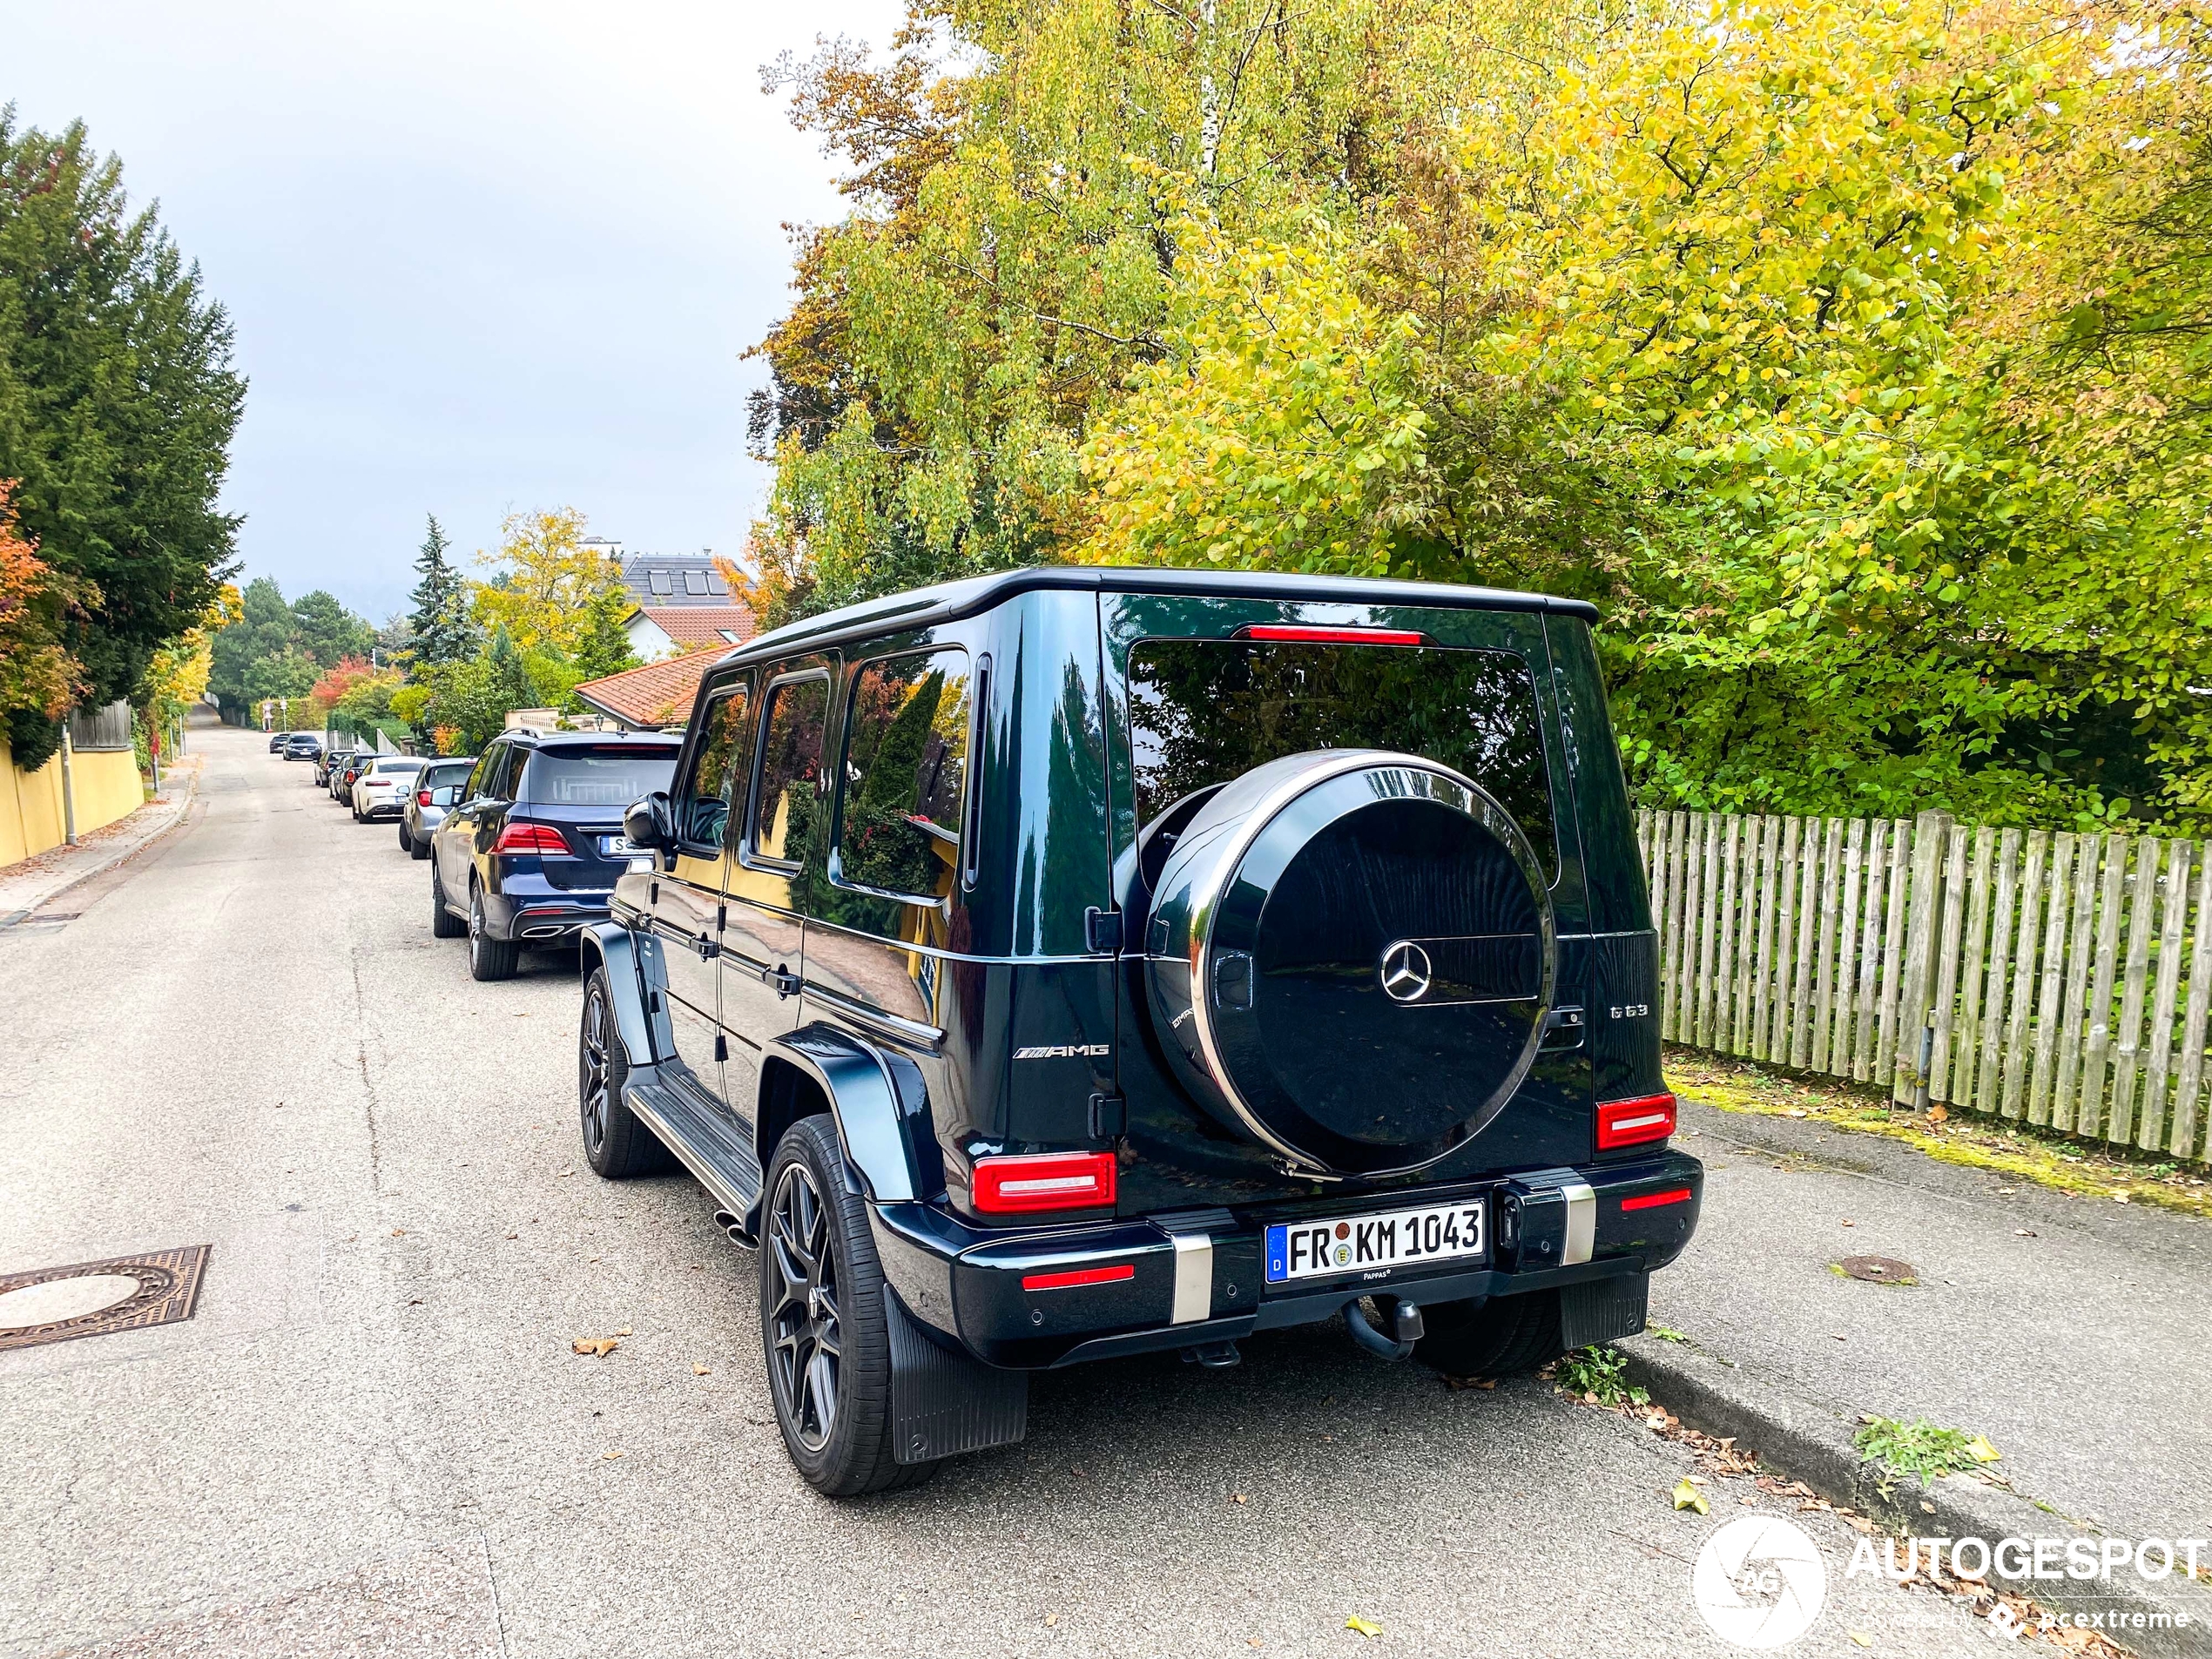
[1654, 1200]
[1013, 1186]
[1067, 1281]
[1631, 1122]
[1335, 636]
[542, 839]
[421, 798]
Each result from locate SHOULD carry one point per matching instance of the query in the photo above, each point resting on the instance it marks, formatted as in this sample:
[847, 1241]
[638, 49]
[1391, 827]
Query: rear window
[1203, 712]
[602, 775]
[401, 764]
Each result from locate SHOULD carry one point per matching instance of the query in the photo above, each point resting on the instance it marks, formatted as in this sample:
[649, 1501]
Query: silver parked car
[383, 784]
[437, 788]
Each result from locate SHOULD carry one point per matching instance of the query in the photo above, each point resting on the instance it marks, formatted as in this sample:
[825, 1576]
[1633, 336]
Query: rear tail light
[1012, 1186]
[421, 798]
[1631, 1122]
[542, 839]
[1333, 635]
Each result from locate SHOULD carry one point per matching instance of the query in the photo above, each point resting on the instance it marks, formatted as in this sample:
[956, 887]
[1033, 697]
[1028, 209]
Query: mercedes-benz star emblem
[1406, 972]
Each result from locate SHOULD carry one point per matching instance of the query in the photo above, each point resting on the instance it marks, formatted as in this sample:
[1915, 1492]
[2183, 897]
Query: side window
[509, 772]
[717, 768]
[905, 775]
[785, 801]
[481, 781]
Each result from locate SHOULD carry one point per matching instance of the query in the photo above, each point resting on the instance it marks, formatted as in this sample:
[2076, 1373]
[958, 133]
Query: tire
[414, 849]
[443, 923]
[617, 1143]
[489, 958]
[823, 1329]
[406, 841]
[1507, 1336]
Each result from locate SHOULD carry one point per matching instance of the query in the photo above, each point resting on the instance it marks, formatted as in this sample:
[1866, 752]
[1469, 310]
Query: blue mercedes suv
[529, 851]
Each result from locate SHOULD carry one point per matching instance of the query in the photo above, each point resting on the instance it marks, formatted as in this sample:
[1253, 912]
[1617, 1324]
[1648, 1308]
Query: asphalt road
[374, 1439]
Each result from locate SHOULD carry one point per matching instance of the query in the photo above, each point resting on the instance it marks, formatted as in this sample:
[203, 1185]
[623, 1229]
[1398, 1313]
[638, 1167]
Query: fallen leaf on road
[1939, 1113]
[2121, 1197]
[1799, 1111]
[415, 1301]
[601, 1346]
[564, 1175]
[1355, 1622]
[1458, 1383]
[2023, 1232]
[1049, 1618]
[1241, 1498]
[399, 1232]
[1848, 1222]
[1686, 1496]
[1862, 1638]
[608, 1457]
[514, 1235]
[699, 1370]
[624, 1331]
[1981, 1451]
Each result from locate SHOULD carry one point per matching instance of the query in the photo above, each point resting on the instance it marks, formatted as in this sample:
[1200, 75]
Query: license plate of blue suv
[1337, 1245]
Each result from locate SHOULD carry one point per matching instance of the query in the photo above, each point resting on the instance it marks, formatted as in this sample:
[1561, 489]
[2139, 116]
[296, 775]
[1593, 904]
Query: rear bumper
[1197, 1277]
[529, 908]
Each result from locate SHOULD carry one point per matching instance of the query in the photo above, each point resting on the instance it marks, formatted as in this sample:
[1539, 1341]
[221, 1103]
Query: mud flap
[944, 1402]
[1600, 1309]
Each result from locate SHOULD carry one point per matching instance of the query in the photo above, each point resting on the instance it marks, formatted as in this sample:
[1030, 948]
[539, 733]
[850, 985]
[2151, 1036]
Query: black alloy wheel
[617, 1143]
[489, 958]
[806, 1348]
[824, 1320]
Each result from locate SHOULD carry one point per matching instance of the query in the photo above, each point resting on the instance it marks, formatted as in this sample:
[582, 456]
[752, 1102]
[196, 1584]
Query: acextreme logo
[1066, 1051]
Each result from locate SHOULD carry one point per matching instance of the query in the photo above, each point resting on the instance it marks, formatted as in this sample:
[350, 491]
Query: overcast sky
[481, 257]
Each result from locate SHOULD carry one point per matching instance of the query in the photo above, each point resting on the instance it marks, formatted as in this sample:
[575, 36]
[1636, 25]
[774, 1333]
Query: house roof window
[715, 585]
[695, 581]
[661, 583]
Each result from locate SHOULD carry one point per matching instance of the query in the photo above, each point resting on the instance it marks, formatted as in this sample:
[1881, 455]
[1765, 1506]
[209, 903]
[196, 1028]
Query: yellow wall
[108, 786]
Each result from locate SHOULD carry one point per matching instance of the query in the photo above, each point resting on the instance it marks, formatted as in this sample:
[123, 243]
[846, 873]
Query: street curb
[1812, 1442]
[182, 803]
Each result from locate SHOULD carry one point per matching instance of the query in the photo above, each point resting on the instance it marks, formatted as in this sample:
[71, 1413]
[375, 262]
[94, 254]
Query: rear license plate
[1372, 1244]
[617, 846]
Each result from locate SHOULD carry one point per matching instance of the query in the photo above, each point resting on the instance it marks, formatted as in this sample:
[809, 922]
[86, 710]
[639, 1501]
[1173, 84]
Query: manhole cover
[1879, 1269]
[91, 1298]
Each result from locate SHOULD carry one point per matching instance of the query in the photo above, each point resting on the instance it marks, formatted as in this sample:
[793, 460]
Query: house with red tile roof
[651, 698]
[657, 631]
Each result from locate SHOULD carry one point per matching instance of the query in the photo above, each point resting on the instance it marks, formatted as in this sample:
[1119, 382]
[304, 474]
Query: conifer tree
[440, 617]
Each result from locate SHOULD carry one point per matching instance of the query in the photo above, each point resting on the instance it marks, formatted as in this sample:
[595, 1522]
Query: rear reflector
[1333, 635]
[1653, 1200]
[542, 839]
[1631, 1122]
[1080, 1276]
[1048, 1181]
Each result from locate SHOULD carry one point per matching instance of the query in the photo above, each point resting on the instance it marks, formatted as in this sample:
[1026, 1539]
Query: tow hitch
[1405, 1323]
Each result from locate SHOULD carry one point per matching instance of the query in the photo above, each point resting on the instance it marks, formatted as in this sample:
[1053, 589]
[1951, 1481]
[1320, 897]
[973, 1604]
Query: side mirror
[650, 822]
[447, 795]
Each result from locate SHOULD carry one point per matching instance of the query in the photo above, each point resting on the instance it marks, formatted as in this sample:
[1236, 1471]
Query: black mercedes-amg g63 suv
[1082, 961]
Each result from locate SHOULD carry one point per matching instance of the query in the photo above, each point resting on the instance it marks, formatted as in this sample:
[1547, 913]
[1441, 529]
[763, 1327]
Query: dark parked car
[303, 745]
[529, 852]
[276, 741]
[437, 788]
[343, 774]
[1074, 963]
[330, 763]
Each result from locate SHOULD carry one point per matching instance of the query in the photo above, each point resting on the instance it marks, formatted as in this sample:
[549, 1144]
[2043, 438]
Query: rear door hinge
[1102, 929]
[721, 1046]
[1109, 1116]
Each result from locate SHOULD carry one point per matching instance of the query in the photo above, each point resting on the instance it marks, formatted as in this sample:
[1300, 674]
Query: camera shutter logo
[1759, 1583]
[1407, 973]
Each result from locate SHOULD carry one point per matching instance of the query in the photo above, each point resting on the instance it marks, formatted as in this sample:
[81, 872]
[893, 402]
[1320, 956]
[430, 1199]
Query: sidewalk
[36, 881]
[2075, 1332]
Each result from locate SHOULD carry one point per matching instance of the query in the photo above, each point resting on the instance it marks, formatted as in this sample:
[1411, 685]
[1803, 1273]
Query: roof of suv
[947, 601]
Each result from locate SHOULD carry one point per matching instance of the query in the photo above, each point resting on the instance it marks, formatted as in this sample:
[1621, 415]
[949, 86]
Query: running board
[707, 1143]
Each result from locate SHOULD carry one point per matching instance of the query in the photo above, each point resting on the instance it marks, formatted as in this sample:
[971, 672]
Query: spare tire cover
[1349, 955]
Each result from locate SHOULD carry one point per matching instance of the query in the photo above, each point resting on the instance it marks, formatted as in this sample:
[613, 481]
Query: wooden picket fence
[2030, 975]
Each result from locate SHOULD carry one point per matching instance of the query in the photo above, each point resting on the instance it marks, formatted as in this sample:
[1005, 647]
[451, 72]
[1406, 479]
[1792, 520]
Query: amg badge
[1066, 1051]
